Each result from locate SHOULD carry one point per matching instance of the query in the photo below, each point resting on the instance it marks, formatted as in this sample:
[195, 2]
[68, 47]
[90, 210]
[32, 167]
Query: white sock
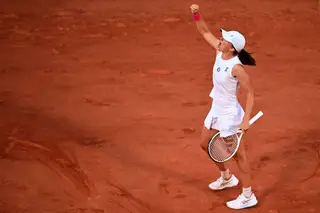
[225, 174]
[247, 192]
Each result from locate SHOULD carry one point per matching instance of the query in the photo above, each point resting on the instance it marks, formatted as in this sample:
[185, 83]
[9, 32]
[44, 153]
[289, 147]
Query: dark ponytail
[245, 58]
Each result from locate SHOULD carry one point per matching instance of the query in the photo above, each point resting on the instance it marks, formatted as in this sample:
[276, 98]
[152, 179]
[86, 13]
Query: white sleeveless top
[225, 86]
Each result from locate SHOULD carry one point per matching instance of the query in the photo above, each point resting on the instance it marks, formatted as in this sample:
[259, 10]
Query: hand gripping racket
[222, 149]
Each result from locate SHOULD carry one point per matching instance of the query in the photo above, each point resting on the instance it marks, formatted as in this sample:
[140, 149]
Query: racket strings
[222, 148]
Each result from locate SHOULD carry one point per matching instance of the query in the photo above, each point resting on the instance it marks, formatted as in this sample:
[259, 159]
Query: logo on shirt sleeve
[218, 69]
[226, 69]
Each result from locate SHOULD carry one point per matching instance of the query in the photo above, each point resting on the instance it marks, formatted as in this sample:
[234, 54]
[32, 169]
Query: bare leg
[206, 135]
[247, 198]
[243, 164]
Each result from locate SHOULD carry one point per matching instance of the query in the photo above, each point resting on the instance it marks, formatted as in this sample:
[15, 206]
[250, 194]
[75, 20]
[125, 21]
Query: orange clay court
[102, 104]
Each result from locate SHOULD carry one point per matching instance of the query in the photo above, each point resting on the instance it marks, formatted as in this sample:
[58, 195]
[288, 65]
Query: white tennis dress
[226, 112]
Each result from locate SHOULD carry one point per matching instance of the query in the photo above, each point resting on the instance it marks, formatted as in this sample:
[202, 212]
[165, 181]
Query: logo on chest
[226, 69]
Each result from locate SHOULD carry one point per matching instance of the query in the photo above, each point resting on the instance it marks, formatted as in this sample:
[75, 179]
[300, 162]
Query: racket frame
[251, 121]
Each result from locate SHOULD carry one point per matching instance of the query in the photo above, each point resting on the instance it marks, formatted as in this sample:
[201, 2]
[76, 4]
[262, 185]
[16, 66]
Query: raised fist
[194, 8]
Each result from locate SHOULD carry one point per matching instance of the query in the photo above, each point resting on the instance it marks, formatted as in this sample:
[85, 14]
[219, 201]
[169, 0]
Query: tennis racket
[222, 149]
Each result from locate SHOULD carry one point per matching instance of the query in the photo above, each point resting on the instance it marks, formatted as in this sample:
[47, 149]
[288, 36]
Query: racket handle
[255, 118]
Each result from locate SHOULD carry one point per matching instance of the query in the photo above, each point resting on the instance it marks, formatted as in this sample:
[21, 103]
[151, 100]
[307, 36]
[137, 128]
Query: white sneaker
[220, 183]
[242, 202]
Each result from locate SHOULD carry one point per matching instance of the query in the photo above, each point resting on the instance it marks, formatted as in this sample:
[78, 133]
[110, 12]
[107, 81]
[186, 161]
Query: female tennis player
[226, 114]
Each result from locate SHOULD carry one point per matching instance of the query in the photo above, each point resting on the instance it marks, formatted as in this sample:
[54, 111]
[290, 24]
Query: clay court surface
[102, 103]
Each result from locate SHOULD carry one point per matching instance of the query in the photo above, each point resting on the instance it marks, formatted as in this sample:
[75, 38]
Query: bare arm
[244, 79]
[203, 29]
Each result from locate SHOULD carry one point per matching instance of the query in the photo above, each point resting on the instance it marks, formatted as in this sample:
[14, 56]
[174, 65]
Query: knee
[237, 157]
[240, 156]
[204, 146]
